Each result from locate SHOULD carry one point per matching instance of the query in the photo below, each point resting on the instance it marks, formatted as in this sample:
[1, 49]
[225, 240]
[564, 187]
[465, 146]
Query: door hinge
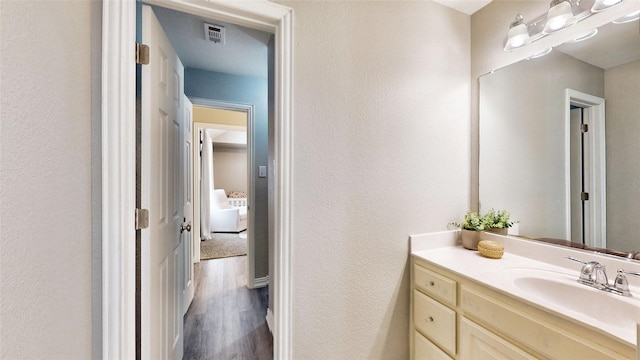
[584, 196]
[142, 54]
[142, 219]
[584, 128]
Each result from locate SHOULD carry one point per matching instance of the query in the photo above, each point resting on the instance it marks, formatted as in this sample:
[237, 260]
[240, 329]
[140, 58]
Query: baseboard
[260, 282]
[270, 320]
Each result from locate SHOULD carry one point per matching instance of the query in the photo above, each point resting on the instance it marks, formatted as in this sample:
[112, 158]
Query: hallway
[226, 320]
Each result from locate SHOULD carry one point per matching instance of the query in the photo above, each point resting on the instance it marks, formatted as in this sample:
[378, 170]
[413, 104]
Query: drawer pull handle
[431, 283]
[430, 319]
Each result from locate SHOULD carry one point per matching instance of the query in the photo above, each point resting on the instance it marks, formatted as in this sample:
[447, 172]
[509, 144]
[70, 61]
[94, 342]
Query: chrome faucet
[621, 284]
[594, 274]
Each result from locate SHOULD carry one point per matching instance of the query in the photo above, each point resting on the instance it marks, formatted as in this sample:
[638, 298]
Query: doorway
[118, 159]
[200, 125]
[209, 88]
[586, 169]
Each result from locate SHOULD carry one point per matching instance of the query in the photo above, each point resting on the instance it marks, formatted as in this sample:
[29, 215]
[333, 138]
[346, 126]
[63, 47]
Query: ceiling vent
[214, 33]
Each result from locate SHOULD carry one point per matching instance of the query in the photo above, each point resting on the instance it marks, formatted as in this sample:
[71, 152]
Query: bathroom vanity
[526, 305]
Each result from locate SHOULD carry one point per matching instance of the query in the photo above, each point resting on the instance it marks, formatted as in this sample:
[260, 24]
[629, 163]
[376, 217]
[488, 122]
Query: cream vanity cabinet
[453, 317]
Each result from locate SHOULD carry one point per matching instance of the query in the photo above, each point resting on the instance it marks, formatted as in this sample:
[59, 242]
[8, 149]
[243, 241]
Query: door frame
[119, 166]
[248, 109]
[597, 214]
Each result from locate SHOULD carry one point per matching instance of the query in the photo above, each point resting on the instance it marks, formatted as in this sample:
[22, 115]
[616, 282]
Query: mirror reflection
[560, 141]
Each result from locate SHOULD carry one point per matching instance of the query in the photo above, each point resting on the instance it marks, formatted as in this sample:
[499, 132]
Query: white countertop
[530, 257]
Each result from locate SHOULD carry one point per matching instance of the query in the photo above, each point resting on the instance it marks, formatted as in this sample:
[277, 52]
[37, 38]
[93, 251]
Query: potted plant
[471, 226]
[498, 221]
[473, 223]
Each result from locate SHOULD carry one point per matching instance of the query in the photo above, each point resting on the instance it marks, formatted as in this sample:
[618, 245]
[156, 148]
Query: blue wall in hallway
[246, 90]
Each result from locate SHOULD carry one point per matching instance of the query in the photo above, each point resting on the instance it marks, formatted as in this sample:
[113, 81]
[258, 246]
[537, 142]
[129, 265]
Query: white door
[161, 178]
[187, 171]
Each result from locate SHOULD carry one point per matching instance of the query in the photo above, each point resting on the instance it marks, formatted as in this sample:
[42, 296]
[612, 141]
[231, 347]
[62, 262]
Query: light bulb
[518, 35]
[559, 17]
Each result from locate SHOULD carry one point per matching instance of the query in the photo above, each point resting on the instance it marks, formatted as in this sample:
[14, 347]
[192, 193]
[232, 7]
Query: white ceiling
[465, 6]
[244, 51]
[228, 137]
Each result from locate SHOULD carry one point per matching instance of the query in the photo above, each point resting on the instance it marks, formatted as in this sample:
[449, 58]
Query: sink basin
[562, 292]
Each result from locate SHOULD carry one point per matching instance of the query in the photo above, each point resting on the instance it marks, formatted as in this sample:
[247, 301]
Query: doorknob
[184, 227]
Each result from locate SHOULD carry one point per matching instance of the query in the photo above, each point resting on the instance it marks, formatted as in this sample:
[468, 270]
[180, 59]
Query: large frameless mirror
[560, 142]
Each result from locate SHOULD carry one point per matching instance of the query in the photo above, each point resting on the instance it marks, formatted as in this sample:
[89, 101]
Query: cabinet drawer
[478, 343]
[435, 284]
[436, 321]
[426, 350]
[531, 330]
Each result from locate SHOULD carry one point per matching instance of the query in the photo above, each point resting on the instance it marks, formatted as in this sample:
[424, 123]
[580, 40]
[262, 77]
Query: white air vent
[214, 33]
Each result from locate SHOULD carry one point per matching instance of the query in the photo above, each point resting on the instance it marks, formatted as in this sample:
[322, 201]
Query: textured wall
[246, 90]
[622, 84]
[45, 180]
[230, 168]
[381, 151]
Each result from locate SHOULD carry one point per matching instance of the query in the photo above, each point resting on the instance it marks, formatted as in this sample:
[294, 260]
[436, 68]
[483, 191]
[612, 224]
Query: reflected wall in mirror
[535, 160]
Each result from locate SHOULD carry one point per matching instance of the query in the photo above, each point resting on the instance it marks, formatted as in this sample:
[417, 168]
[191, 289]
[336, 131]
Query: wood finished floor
[226, 320]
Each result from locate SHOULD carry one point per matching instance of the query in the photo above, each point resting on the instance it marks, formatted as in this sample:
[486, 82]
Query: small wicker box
[491, 249]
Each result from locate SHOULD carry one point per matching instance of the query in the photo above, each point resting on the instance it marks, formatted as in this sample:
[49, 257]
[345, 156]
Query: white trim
[251, 166]
[283, 189]
[269, 319]
[118, 172]
[198, 126]
[195, 157]
[261, 15]
[260, 282]
[597, 156]
[118, 180]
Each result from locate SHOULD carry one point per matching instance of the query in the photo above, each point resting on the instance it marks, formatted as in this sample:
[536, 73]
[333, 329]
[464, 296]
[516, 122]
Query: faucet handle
[621, 284]
[622, 271]
[574, 259]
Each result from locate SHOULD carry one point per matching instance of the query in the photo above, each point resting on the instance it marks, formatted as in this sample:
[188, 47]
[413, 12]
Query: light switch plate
[262, 171]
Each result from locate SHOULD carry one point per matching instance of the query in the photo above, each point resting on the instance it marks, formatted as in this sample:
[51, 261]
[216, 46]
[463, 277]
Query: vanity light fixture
[627, 18]
[586, 36]
[540, 54]
[518, 34]
[559, 16]
[600, 5]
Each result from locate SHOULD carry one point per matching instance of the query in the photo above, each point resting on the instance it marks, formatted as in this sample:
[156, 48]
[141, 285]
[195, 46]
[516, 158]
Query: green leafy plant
[491, 220]
[498, 219]
[471, 221]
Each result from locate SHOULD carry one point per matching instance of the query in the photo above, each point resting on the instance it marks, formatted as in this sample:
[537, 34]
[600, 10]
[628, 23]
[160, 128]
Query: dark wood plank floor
[226, 320]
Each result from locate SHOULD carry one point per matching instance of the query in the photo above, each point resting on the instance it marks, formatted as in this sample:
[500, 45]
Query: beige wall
[45, 182]
[219, 116]
[623, 162]
[230, 168]
[381, 151]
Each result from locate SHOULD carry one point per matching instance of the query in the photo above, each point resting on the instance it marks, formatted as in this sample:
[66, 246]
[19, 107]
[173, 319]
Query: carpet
[223, 245]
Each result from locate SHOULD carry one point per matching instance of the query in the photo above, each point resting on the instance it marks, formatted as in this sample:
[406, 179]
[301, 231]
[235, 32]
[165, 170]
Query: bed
[237, 198]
